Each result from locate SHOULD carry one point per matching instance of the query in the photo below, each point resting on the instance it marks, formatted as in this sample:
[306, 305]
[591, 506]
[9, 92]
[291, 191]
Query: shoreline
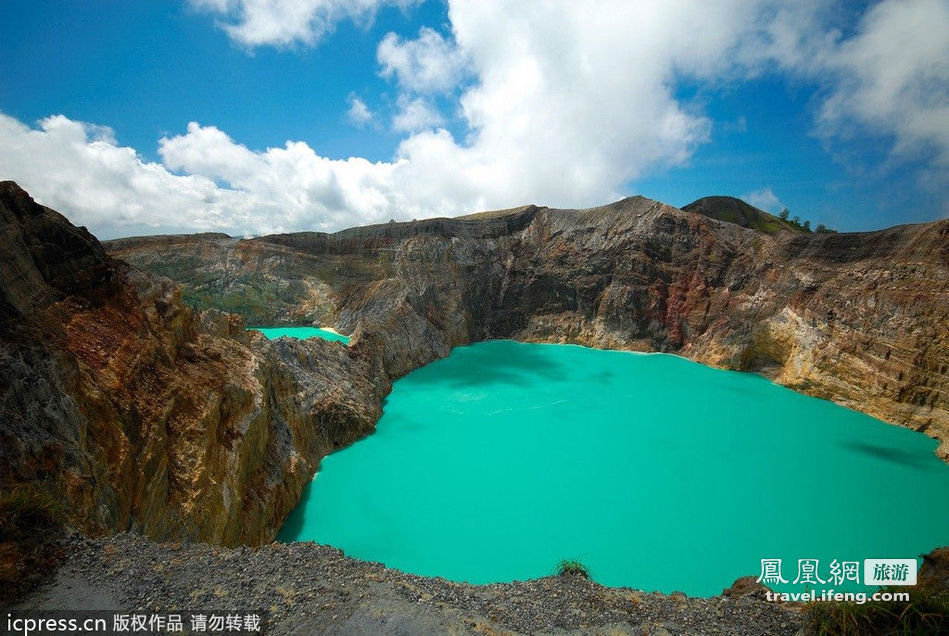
[307, 587]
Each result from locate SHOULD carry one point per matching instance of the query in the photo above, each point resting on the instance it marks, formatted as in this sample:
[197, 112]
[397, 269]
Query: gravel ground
[309, 588]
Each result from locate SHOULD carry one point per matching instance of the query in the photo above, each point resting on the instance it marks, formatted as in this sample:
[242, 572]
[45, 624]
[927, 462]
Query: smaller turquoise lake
[656, 472]
[272, 333]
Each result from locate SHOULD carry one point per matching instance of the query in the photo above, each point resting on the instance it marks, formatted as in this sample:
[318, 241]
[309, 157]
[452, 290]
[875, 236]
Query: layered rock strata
[140, 413]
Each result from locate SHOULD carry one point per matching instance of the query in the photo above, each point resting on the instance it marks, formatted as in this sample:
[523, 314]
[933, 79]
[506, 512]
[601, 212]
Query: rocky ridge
[859, 318]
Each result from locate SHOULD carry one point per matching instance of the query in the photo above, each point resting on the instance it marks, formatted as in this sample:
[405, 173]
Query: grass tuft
[30, 526]
[569, 567]
[927, 612]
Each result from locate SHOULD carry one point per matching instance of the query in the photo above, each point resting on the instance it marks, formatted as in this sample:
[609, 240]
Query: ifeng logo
[875, 572]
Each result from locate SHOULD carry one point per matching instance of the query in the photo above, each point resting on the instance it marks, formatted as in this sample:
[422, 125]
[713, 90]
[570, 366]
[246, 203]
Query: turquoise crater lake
[656, 472]
[272, 333]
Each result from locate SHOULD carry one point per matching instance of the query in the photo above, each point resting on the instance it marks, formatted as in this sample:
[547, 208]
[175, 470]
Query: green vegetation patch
[569, 567]
[30, 527]
[927, 612]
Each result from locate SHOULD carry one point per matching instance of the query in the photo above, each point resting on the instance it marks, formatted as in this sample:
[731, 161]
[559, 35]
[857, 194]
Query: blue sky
[239, 116]
[147, 68]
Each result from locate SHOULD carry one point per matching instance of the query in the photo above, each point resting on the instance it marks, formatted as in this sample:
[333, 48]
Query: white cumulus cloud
[892, 77]
[416, 114]
[427, 64]
[555, 103]
[76, 169]
[764, 199]
[79, 170]
[285, 22]
[358, 113]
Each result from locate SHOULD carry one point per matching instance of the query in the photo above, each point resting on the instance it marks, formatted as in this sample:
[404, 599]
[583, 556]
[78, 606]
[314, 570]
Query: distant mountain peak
[734, 210]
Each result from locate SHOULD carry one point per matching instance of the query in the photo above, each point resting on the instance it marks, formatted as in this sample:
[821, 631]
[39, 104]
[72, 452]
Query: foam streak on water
[656, 472]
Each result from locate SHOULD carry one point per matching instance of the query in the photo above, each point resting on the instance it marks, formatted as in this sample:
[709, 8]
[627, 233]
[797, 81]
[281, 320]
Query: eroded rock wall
[140, 413]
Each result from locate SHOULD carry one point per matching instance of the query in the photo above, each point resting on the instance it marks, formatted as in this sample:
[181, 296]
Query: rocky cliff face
[140, 413]
[860, 319]
[264, 282]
